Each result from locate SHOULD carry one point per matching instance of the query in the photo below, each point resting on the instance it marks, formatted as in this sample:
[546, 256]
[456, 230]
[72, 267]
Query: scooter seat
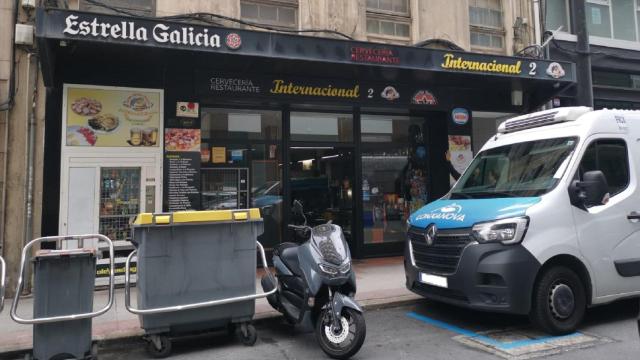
[288, 253]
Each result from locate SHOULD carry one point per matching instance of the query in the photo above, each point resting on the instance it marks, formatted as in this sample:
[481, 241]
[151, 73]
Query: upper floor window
[389, 19]
[557, 15]
[279, 13]
[613, 19]
[137, 7]
[486, 24]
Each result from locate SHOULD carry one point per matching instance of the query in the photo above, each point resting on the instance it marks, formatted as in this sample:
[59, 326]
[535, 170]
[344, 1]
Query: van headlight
[507, 231]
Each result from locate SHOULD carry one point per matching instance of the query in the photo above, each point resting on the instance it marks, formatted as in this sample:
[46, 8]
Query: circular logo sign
[233, 41]
[460, 116]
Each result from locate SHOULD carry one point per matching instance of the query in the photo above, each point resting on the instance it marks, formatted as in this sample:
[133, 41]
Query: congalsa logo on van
[447, 212]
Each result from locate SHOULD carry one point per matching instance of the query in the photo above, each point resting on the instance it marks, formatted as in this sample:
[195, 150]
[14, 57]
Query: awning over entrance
[274, 65]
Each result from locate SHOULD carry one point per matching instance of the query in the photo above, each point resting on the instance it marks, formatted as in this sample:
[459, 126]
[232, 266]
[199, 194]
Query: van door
[605, 235]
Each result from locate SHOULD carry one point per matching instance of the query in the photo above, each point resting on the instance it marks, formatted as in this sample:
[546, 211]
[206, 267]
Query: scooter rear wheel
[348, 340]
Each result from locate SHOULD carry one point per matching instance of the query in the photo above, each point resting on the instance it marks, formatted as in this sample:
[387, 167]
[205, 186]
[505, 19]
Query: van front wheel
[559, 301]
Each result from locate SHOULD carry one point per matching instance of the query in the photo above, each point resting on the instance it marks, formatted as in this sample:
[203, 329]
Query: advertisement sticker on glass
[112, 117]
[460, 153]
[182, 139]
[187, 109]
[219, 155]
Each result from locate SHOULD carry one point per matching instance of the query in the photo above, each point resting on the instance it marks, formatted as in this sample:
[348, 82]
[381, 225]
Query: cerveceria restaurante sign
[452, 62]
[128, 30]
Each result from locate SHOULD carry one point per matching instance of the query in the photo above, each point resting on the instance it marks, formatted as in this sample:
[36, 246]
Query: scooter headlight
[507, 231]
[334, 270]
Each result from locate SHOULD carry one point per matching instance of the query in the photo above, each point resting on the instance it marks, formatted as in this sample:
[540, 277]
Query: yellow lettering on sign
[279, 87]
[459, 63]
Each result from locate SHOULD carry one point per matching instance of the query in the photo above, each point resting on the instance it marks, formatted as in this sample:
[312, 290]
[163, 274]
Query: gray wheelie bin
[196, 272]
[63, 298]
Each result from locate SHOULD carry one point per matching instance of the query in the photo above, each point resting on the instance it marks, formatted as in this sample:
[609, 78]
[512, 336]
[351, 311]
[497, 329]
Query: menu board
[112, 117]
[182, 173]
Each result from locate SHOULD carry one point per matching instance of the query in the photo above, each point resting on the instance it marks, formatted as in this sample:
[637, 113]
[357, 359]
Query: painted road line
[487, 340]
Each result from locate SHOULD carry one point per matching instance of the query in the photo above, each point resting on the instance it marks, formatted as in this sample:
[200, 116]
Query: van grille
[443, 256]
[530, 122]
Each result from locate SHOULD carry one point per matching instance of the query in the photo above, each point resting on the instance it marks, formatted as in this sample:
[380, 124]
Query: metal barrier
[160, 310]
[59, 240]
[3, 271]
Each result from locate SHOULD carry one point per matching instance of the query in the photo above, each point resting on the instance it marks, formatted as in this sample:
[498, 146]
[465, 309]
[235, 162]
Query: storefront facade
[159, 116]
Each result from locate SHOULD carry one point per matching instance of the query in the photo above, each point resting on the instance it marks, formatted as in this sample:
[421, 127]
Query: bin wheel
[248, 334]
[94, 351]
[159, 346]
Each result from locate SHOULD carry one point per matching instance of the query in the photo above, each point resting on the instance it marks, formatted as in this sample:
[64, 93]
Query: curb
[134, 337]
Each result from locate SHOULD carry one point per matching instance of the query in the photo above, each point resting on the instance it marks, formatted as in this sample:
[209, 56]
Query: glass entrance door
[322, 178]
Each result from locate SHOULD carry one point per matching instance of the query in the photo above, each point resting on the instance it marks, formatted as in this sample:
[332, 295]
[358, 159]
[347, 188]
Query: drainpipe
[31, 120]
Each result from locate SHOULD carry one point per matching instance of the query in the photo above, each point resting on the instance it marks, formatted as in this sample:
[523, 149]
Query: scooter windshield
[329, 241]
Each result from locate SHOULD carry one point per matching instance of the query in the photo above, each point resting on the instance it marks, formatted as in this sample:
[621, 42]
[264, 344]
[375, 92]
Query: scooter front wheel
[344, 342]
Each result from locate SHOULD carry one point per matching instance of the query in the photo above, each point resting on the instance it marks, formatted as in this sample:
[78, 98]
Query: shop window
[322, 179]
[282, 13]
[137, 7]
[393, 174]
[389, 19]
[236, 124]
[557, 15]
[486, 24]
[610, 157]
[321, 127]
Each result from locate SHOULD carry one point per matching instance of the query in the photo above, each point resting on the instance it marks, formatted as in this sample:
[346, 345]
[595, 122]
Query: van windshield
[529, 168]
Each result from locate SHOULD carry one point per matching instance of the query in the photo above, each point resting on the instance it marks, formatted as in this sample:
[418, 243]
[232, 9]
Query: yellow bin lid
[197, 216]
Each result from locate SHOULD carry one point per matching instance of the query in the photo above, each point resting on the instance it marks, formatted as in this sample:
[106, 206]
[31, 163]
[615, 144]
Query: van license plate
[434, 280]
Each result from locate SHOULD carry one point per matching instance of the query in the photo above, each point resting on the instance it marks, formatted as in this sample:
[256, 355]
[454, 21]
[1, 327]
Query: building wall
[24, 115]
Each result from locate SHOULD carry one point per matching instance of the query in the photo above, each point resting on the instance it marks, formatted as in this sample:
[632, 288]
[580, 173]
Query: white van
[545, 221]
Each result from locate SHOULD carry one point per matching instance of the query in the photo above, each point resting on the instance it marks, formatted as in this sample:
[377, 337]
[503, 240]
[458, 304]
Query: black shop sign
[315, 89]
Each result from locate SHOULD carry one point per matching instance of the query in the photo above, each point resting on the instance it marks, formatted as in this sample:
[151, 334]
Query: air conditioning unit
[24, 34]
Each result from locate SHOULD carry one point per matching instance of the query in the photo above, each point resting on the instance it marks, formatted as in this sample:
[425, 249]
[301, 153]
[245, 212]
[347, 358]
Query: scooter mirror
[297, 207]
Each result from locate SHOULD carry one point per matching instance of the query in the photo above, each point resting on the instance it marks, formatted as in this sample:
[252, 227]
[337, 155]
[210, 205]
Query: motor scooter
[317, 285]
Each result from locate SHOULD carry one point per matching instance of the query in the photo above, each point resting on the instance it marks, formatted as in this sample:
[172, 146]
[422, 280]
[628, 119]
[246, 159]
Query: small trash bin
[62, 298]
[196, 271]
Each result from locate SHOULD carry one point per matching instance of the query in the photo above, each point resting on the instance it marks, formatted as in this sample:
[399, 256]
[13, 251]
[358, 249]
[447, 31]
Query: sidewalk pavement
[380, 282]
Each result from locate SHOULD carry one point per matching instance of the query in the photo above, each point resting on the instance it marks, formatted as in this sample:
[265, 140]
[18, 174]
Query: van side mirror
[593, 190]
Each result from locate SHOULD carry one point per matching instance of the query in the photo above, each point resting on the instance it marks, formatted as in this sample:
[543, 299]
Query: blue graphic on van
[450, 214]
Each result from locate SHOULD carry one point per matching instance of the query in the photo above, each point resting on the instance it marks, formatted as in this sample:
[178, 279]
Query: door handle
[634, 215]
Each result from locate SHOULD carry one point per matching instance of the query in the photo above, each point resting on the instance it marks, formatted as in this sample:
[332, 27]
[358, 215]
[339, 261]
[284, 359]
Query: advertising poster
[182, 139]
[460, 154]
[103, 117]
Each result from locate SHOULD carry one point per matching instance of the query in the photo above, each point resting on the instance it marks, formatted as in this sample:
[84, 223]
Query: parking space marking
[485, 339]
[529, 345]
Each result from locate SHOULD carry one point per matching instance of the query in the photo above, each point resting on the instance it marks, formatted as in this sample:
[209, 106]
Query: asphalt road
[426, 330]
